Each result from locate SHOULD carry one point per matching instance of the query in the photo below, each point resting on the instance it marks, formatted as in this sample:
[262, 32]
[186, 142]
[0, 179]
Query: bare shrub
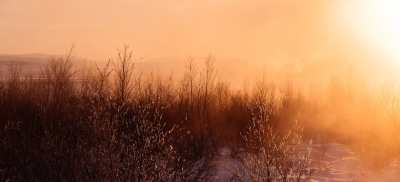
[274, 156]
[58, 75]
[124, 80]
[144, 151]
[196, 147]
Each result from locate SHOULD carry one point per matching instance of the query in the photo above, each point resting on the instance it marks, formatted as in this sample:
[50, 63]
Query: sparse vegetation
[117, 124]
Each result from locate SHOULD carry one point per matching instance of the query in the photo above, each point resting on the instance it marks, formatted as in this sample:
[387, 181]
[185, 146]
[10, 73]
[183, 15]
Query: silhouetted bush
[115, 124]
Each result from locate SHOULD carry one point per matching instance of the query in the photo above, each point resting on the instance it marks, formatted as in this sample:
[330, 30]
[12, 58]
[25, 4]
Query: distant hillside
[236, 71]
[30, 63]
[233, 70]
[22, 59]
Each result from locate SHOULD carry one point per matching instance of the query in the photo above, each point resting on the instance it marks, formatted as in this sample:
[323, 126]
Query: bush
[273, 156]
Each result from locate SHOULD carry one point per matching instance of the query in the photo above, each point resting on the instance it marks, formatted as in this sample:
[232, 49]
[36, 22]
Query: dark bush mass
[117, 124]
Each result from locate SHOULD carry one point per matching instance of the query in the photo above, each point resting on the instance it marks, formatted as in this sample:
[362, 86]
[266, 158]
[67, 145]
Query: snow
[225, 162]
[340, 164]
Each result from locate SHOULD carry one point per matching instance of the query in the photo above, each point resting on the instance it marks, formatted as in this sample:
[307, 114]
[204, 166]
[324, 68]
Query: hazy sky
[259, 31]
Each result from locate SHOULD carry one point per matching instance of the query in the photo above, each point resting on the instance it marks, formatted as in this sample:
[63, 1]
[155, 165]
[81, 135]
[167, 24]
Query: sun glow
[378, 23]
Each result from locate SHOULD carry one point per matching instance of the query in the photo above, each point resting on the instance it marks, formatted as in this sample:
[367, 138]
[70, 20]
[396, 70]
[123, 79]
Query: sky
[290, 32]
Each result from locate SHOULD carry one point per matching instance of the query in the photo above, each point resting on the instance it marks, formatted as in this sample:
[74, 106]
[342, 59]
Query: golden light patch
[377, 22]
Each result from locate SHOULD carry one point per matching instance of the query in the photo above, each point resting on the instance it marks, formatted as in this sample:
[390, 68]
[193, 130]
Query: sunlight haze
[295, 33]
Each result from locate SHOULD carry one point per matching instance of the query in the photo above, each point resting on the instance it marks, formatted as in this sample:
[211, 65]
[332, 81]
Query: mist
[299, 38]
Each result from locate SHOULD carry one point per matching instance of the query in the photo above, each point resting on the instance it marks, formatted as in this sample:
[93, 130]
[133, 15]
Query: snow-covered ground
[340, 164]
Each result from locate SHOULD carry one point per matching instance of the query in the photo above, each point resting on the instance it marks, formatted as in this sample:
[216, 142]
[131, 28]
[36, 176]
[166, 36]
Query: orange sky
[260, 31]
